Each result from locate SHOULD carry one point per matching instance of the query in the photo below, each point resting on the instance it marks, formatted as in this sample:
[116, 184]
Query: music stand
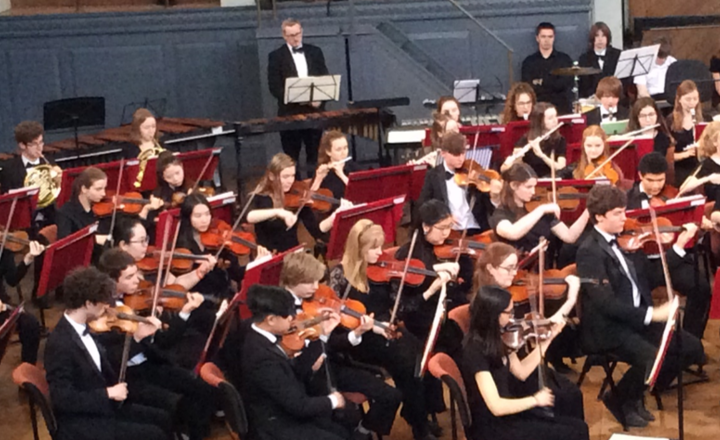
[312, 89]
[193, 163]
[111, 169]
[74, 113]
[24, 208]
[636, 62]
[466, 91]
[373, 185]
[383, 212]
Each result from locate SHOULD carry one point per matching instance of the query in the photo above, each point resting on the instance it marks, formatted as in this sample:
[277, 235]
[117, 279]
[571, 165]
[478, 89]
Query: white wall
[610, 12]
[4, 5]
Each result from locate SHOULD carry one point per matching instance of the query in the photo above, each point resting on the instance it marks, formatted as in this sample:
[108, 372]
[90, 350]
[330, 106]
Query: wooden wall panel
[666, 8]
[695, 43]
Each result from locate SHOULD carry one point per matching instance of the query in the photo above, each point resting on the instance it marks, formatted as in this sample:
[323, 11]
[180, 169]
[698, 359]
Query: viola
[182, 260]
[554, 286]
[668, 192]
[568, 198]
[16, 241]
[472, 246]
[388, 268]
[219, 232]
[300, 195]
[178, 197]
[637, 234]
[472, 173]
[129, 203]
[172, 297]
[122, 318]
[518, 331]
[304, 327]
[350, 310]
[607, 170]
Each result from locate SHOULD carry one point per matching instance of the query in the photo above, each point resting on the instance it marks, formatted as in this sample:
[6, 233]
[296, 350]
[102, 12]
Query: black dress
[274, 235]
[715, 68]
[685, 167]
[335, 184]
[527, 424]
[556, 144]
[661, 143]
[543, 228]
[712, 191]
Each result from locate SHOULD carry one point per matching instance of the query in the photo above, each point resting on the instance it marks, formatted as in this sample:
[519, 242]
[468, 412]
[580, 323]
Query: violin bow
[683, 186]
[434, 331]
[125, 356]
[633, 137]
[224, 307]
[328, 377]
[172, 252]
[237, 222]
[404, 274]
[552, 177]
[202, 172]
[7, 225]
[116, 200]
[536, 311]
[528, 146]
[156, 294]
[663, 260]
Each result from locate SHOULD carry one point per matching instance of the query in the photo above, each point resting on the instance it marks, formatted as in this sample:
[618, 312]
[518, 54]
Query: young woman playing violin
[489, 369]
[276, 227]
[543, 119]
[595, 150]
[151, 378]
[512, 222]
[87, 189]
[350, 279]
[519, 103]
[333, 166]
[172, 186]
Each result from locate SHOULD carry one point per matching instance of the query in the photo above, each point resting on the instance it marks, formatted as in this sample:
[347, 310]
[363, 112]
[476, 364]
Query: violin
[519, 331]
[178, 197]
[182, 260]
[172, 297]
[668, 192]
[350, 310]
[472, 173]
[304, 327]
[637, 235]
[568, 198]
[388, 268]
[129, 203]
[16, 241]
[554, 286]
[219, 232]
[607, 170]
[472, 246]
[301, 195]
[122, 318]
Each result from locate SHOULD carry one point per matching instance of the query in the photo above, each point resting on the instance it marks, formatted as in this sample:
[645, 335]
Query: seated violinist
[152, 378]
[172, 186]
[301, 274]
[333, 164]
[515, 225]
[87, 189]
[519, 103]
[490, 369]
[84, 388]
[619, 317]
[595, 151]
[440, 184]
[652, 170]
[275, 226]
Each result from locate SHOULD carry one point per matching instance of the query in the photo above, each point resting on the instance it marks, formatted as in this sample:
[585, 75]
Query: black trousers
[292, 142]
[130, 422]
[29, 331]
[639, 351]
[176, 391]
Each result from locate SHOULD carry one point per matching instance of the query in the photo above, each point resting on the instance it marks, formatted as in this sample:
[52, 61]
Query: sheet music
[634, 437]
[662, 350]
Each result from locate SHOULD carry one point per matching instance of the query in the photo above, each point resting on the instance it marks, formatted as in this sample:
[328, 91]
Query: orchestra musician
[513, 224]
[543, 118]
[440, 184]
[300, 275]
[84, 388]
[609, 91]
[489, 369]
[172, 186]
[536, 70]
[88, 188]
[519, 103]
[152, 378]
[333, 166]
[442, 125]
[277, 403]
[687, 112]
[644, 114]
[399, 355]
[296, 60]
[653, 84]
[595, 150]
[449, 106]
[708, 176]
[618, 313]
[600, 55]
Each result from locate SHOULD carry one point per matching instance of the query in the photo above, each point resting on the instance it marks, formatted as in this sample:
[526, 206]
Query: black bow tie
[644, 196]
[449, 175]
[600, 57]
[298, 50]
[608, 115]
[613, 242]
[86, 331]
[30, 165]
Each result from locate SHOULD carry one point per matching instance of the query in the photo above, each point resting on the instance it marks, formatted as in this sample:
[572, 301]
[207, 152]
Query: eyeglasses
[145, 240]
[647, 115]
[523, 103]
[510, 312]
[443, 227]
[509, 269]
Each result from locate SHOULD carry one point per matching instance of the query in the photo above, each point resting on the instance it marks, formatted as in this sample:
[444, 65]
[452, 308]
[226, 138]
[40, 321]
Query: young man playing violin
[618, 313]
[685, 279]
[440, 184]
[300, 275]
[84, 387]
[152, 378]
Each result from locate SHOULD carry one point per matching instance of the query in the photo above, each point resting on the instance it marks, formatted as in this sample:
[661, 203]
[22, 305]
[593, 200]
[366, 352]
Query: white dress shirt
[300, 62]
[605, 114]
[601, 53]
[87, 340]
[27, 162]
[655, 80]
[458, 204]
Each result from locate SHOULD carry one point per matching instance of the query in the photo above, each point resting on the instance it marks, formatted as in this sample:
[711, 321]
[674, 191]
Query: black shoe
[643, 412]
[435, 429]
[613, 405]
[357, 435]
[632, 418]
[561, 367]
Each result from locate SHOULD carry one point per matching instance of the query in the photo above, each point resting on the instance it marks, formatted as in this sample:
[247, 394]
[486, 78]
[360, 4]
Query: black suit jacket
[276, 399]
[434, 188]
[281, 66]
[12, 176]
[608, 312]
[77, 387]
[588, 84]
[594, 116]
[635, 197]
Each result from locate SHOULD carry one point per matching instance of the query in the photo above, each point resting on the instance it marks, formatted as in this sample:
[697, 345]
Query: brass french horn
[143, 157]
[47, 178]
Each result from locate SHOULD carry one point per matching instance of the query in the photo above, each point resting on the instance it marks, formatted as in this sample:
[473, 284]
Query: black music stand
[74, 113]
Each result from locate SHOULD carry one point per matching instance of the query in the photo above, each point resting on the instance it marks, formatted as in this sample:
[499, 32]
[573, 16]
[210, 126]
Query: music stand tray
[636, 62]
[312, 89]
[74, 113]
[24, 208]
[466, 91]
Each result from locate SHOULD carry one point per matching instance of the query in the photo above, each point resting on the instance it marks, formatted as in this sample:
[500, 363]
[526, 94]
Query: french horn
[143, 157]
[47, 178]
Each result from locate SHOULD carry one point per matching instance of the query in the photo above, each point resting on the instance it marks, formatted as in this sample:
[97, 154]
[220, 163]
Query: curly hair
[87, 284]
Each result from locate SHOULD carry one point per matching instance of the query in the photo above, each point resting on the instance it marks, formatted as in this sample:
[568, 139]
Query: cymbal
[575, 71]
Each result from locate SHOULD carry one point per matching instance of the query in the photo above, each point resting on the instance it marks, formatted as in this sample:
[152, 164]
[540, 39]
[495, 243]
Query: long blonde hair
[363, 236]
[708, 139]
[593, 130]
[269, 184]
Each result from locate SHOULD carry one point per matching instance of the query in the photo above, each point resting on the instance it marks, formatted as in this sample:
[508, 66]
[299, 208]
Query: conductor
[296, 60]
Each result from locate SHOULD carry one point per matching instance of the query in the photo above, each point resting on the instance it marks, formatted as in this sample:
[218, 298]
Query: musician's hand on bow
[145, 329]
[387, 332]
[551, 208]
[262, 251]
[332, 320]
[318, 362]
[706, 224]
[661, 313]
[34, 250]
[288, 217]
[206, 266]
[544, 397]
[367, 323]
[450, 268]
[345, 204]
[3, 307]
[194, 300]
[690, 229]
[691, 150]
[117, 392]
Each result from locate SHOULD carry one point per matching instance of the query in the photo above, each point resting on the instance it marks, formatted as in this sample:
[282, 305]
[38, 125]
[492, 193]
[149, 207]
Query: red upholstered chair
[235, 417]
[32, 379]
[444, 368]
[461, 315]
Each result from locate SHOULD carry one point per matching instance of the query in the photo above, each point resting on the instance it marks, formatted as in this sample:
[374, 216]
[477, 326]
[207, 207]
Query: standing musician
[645, 113]
[519, 103]
[514, 225]
[300, 275]
[489, 370]
[333, 164]
[277, 403]
[536, 70]
[618, 313]
[397, 356]
[275, 226]
[449, 106]
[87, 189]
[600, 55]
[544, 117]
[595, 150]
[440, 184]
[84, 388]
[296, 60]
[686, 114]
[152, 379]
[609, 91]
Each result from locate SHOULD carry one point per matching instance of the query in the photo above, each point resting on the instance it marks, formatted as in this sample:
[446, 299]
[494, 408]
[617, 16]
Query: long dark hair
[186, 209]
[485, 311]
[537, 122]
[519, 172]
